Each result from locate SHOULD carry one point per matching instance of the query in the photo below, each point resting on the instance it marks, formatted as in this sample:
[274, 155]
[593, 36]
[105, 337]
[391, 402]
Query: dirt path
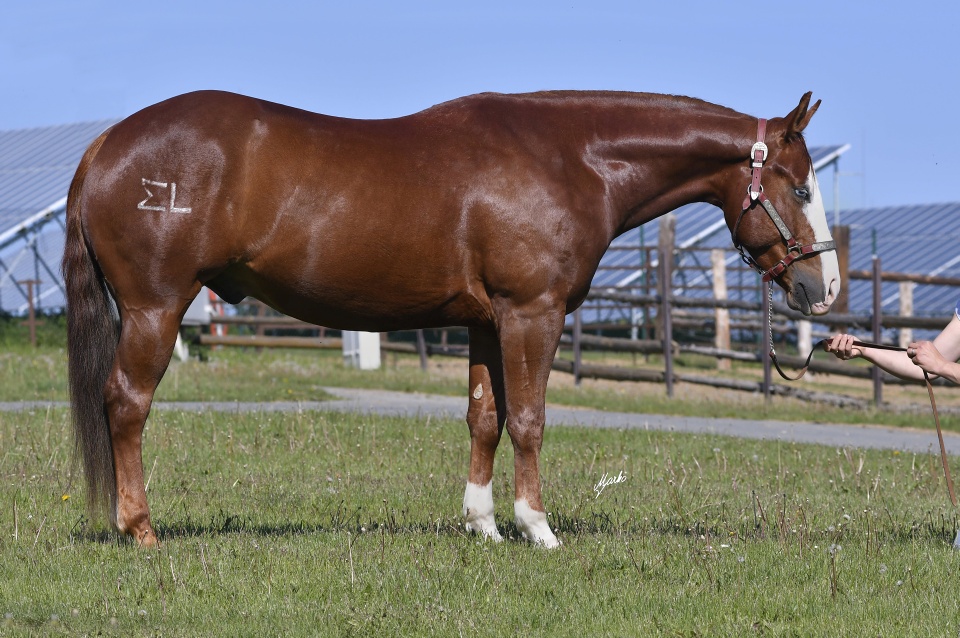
[415, 404]
[841, 435]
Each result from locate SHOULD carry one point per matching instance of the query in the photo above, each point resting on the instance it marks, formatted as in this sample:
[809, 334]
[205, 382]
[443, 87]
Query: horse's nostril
[833, 291]
[802, 298]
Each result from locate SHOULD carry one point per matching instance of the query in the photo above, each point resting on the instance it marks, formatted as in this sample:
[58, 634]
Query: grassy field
[270, 375]
[324, 524]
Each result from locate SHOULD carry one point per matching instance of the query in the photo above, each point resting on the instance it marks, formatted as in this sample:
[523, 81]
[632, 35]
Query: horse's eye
[802, 194]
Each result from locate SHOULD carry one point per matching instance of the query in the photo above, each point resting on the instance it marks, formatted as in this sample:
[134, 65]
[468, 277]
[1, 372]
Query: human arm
[938, 357]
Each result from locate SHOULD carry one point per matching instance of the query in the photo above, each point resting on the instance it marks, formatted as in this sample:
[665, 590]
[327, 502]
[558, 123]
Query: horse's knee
[526, 431]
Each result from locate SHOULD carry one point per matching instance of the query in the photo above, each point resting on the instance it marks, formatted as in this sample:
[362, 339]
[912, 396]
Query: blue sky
[888, 73]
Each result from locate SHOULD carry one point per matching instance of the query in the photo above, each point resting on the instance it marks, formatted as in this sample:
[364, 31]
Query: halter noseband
[755, 194]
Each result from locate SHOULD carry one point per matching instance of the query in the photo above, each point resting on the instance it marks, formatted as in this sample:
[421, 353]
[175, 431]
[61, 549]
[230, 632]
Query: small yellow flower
[65, 497]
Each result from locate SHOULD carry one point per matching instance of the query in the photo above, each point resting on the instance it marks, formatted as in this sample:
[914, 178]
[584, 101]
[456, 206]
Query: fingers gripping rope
[926, 378]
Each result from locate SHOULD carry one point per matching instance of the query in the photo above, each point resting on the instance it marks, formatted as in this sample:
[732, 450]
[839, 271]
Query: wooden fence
[663, 313]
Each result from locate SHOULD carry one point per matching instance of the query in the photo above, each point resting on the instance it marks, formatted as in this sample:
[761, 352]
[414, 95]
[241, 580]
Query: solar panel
[36, 166]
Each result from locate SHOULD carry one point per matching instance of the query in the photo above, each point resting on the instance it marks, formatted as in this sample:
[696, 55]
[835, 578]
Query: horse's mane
[611, 98]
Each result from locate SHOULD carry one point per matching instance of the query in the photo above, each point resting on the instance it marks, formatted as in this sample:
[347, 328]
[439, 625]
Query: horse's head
[777, 218]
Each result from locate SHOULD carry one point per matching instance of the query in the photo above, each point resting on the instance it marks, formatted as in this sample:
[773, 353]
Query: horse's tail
[92, 336]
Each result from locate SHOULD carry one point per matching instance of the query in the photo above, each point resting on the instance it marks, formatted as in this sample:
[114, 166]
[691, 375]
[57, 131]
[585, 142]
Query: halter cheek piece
[755, 194]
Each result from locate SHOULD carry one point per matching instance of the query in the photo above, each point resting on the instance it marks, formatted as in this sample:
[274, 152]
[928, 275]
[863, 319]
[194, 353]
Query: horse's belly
[351, 305]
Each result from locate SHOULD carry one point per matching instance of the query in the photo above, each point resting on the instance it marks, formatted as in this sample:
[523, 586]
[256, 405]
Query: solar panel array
[919, 239]
[36, 166]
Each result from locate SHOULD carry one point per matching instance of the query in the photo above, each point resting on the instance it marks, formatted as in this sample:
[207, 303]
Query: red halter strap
[758, 154]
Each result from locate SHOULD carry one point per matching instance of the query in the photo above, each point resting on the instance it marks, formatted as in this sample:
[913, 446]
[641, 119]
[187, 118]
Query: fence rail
[662, 313]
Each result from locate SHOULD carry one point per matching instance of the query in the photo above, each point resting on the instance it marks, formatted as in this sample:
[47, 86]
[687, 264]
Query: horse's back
[304, 210]
[270, 201]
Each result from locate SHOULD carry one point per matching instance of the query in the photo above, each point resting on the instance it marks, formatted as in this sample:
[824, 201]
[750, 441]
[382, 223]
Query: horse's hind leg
[485, 417]
[147, 339]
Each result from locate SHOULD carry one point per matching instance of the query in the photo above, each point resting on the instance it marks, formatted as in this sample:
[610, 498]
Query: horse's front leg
[485, 416]
[528, 339]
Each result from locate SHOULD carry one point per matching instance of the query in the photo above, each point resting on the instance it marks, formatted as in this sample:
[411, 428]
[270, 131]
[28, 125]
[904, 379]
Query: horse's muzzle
[809, 296]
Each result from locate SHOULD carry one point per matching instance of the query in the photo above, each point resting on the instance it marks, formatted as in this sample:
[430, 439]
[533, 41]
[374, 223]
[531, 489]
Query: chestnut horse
[490, 212]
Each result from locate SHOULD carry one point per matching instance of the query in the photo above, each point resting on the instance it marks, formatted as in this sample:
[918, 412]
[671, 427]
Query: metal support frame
[26, 235]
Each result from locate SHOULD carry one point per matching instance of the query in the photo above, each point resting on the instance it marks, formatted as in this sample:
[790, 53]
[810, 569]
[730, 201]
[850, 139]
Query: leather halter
[755, 194]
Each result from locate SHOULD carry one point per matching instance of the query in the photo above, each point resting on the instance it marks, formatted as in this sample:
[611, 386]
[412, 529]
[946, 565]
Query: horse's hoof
[551, 542]
[487, 532]
[148, 539]
[533, 525]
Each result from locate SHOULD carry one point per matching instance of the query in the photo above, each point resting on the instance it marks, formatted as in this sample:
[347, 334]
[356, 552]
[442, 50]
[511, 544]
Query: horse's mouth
[798, 300]
[821, 308]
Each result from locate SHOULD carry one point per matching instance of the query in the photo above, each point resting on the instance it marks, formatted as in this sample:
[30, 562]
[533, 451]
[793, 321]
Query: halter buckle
[763, 150]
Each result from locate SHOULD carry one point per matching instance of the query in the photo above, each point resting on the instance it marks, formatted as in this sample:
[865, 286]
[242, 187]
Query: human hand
[926, 356]
[842, 346]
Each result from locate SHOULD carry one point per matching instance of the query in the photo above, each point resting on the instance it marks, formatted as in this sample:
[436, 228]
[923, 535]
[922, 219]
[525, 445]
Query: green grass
[51, 332]
[325, 524]
[272, 375]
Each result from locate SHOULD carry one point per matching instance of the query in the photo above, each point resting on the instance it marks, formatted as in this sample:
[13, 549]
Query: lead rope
[876, 346]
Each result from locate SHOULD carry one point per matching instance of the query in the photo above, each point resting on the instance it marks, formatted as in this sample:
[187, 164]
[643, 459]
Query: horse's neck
[665, 159]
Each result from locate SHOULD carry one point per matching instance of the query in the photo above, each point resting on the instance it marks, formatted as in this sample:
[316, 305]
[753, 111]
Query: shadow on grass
[225, 524]
[935, 528]
[932, 527]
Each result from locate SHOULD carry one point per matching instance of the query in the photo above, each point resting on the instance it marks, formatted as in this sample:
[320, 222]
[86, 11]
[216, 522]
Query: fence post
[906, 310]
[646, 331]
[261, 313]
[577, 332]
[841, 235]
[422, 349]
[31, 321]
[804, 339]
[721, 339]
[361, 349]
[877, 328]
[668, 225]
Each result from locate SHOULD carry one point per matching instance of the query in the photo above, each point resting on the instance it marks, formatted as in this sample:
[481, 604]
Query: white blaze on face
[829, 266]
[478, 510]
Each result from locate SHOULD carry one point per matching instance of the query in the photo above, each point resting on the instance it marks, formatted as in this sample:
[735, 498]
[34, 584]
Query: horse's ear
[799, 117]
